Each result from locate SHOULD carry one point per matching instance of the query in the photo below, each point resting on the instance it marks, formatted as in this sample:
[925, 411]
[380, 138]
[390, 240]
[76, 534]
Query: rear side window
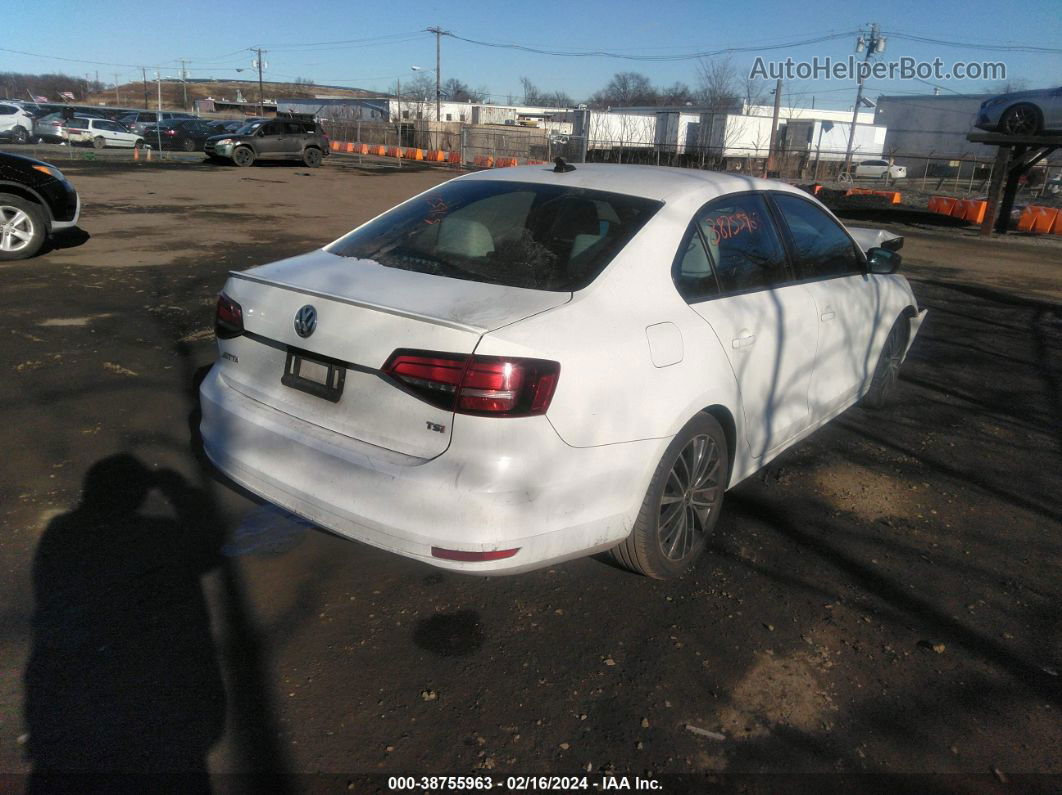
[743, 244]
[8, 110]
[538, 236]
[693, 274]
[821, 248]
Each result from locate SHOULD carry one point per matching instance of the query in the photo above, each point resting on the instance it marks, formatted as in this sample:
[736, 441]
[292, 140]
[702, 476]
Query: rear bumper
[502, 484]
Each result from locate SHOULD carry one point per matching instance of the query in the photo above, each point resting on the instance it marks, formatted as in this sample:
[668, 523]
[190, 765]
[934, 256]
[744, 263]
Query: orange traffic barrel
[1028, 217]
[1045, 220]
[974, 210]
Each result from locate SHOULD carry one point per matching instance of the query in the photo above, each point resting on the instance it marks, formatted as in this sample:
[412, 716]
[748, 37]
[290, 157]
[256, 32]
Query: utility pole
[184, 84]
[872, 42]
[261, 93]
[439, 32]
[143, 74]
[117, 99]
[771, 153]
[158, 121]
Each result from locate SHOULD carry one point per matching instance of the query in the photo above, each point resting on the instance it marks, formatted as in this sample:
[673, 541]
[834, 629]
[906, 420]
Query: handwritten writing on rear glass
[437, 210]
[731, 225]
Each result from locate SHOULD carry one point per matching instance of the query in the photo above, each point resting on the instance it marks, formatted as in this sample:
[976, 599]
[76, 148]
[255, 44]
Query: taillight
[497, 386]
[228, 321]
[171, 132]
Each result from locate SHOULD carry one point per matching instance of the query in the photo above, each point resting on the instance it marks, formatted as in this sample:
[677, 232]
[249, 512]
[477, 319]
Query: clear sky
[299, 36]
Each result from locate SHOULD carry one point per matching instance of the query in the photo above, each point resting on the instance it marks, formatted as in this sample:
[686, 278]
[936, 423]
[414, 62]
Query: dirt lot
[882, 599]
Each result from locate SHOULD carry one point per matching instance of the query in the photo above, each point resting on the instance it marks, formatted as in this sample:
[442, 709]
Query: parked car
[186, 134]
[16, 123]
[139, 121]
[51, 127]
[523, 366]
[35, 201]
[226, 125]
[1022, 112]
[100, 133]
[879, 169]
[277, 139]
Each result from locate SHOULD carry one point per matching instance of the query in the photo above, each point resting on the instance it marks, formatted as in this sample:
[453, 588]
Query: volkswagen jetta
[527, 365]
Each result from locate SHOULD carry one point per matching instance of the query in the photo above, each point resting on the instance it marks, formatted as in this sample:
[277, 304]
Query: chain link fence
[916, 176]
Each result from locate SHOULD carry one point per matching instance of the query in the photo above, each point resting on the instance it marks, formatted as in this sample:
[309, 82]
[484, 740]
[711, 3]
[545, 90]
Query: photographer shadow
[124, 677]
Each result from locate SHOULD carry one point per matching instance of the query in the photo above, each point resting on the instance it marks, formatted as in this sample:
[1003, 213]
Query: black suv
[284, 138]
[35, 200]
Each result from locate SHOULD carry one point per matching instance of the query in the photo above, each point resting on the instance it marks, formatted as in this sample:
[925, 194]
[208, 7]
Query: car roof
[661, 183]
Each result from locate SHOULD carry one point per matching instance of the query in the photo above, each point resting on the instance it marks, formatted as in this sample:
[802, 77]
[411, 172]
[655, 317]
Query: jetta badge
[305, 321]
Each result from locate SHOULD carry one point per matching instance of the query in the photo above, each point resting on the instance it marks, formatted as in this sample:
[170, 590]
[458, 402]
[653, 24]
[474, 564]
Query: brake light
[171, 132]
[228, 321]
[497, 386]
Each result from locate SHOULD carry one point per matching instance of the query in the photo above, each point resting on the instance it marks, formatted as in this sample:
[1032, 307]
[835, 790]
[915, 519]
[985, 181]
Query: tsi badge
[305, 321]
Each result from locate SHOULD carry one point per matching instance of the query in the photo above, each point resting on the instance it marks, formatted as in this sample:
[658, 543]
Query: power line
[658, 58]
[975, 46]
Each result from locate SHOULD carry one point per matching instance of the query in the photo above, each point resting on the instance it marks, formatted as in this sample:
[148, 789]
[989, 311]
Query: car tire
[29, 224]
[98, 142]
[682, 503]
[20, 135]
[1023, 119]
[188, 145]
[887, 371]
[312, 157]
[138, 143]
[243, 156]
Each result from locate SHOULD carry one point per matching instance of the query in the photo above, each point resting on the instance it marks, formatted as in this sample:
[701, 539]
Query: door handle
[743, 341]
[829, 314]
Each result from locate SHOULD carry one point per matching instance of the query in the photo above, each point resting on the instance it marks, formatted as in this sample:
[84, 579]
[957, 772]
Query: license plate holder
[320, 376]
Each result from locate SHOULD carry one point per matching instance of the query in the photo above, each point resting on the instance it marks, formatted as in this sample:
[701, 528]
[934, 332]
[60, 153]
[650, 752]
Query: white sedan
[100, 133]
[528, 365]
[879, 169]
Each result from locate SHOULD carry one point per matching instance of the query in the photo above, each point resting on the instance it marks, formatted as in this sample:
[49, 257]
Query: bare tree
[719, 88]
[458, 91]
[752, 91]
[546, 99]
[677, 93]
[626, 89]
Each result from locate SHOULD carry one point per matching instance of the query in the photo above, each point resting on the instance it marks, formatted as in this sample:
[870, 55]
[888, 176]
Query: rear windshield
[542, 237]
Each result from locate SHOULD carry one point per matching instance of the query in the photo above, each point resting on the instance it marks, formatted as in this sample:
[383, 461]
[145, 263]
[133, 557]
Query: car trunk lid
[364, 312]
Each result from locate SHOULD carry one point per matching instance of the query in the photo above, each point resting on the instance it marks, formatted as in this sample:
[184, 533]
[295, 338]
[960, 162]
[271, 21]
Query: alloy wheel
[1020, 121]
[691, 495]
[16, 229]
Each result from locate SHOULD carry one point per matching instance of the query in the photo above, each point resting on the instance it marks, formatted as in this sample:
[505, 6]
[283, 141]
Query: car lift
[1015, 156]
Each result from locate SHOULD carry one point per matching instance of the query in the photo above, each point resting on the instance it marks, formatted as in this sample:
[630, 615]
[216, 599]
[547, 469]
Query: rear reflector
[228, 321]
[494, 386]
[472, 557]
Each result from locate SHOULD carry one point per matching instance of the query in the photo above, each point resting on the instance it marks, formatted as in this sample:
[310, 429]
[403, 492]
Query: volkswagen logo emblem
[305, 321]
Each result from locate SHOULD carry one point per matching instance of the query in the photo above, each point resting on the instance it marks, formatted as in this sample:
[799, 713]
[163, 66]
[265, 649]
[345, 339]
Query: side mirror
[881, 260]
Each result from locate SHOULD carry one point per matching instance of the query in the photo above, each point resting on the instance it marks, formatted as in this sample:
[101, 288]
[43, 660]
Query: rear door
[734, 274]
[829, 265]
[296, 139]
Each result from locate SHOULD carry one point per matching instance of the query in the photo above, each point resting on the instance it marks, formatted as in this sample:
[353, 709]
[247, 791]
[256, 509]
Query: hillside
[132, 94]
